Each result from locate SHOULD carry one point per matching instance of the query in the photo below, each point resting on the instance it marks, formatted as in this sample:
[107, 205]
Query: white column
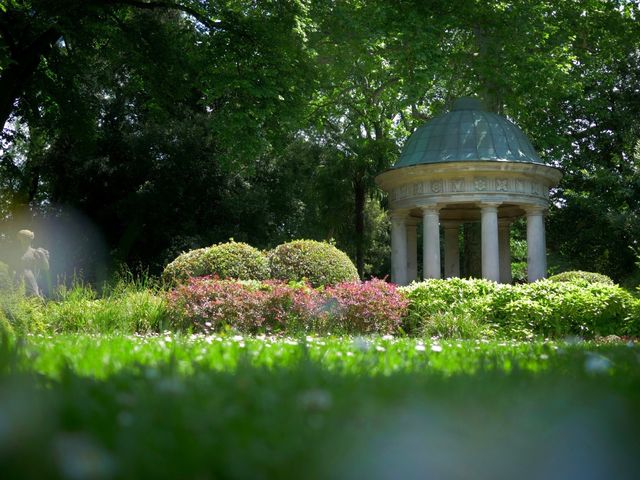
[412, 250]
[489, 232]
[451, 250]
[504, 241]
[536, 244]
[431, 242]
[398, 248]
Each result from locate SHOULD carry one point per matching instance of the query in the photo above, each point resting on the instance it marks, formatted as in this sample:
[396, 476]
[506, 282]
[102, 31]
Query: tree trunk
[359, 191]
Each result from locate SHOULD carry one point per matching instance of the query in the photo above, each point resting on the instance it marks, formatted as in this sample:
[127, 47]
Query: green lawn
[317, 407]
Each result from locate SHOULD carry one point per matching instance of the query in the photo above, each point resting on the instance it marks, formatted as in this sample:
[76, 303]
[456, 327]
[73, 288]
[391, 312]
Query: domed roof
[467, 133]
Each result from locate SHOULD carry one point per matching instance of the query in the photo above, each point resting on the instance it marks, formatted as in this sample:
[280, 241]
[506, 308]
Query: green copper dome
[467, 133]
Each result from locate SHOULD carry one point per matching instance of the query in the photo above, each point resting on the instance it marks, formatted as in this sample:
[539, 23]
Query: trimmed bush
[206, 304]
[558, 309]
[374, 306]
[318, 263]
[582, 278]
[436, 304]
[232, 260]
[545, 308]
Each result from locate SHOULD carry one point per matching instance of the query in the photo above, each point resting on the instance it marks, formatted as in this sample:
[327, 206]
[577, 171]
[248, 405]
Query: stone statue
[30, 263]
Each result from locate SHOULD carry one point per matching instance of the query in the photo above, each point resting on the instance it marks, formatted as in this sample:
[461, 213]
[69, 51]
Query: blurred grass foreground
[376, 407]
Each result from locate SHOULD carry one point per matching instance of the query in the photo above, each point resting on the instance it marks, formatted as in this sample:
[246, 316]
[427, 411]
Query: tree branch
[157, 4]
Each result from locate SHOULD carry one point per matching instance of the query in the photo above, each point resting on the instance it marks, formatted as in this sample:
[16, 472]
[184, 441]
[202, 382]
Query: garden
[246, 364]
[311, 239]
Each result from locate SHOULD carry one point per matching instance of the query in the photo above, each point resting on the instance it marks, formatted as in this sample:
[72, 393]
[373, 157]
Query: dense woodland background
[134, 129]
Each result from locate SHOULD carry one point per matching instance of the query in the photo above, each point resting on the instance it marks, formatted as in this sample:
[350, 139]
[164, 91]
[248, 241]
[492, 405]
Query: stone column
[399, 248]
[412, 250]
[536, 244]
[504, 242]
[431, 241]
[451, 250]
[489, 233]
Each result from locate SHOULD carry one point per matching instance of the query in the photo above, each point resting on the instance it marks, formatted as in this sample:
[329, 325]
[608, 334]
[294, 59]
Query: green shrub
[441, 301]
[319, 263]
[6, 329]
[5, 278]
[124, 310]
[468, 308]
[233, 260]
[558, 309]
[580, 277]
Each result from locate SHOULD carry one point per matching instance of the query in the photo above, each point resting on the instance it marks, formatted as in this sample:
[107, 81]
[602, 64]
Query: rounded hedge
[226, 260]
[319, 263]
[581, 277]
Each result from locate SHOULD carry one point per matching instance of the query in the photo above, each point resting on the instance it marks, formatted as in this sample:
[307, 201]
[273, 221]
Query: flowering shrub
[319, 263]
[225, 260]
[208, 304]
[374, 306]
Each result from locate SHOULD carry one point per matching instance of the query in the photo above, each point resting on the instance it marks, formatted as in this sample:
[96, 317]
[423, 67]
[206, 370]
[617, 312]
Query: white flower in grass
[420, 347]
[387, 337]
[237, 338]
[380, 348]
[436, 348]
[597, 363]
[362, 344]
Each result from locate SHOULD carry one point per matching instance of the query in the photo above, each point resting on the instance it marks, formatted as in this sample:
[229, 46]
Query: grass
[225, 406]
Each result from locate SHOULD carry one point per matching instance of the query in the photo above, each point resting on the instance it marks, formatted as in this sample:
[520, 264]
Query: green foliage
[544, 308]
[436, 305]
[5, 278]
[226, 260]
[6, 329]
[124, 309]
[580, 277]
[319, 263]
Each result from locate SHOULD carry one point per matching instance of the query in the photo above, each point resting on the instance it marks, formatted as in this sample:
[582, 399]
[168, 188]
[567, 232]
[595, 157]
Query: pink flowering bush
[207, 304]
[374, 306]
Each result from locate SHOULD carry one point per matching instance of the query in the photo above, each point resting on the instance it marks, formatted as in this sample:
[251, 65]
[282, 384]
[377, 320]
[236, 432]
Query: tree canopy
[174, 124]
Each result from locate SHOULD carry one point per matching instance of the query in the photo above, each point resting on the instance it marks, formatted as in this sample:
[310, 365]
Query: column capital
[430, 209]
[399, 216]
[534, 210]
[489, 206]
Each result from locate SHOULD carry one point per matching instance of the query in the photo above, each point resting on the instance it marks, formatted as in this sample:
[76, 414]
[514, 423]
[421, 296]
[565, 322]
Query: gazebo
[467, 165]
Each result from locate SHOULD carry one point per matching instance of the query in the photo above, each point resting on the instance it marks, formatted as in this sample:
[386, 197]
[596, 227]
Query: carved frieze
[480, 184]
[457, 185]
[502, 185]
